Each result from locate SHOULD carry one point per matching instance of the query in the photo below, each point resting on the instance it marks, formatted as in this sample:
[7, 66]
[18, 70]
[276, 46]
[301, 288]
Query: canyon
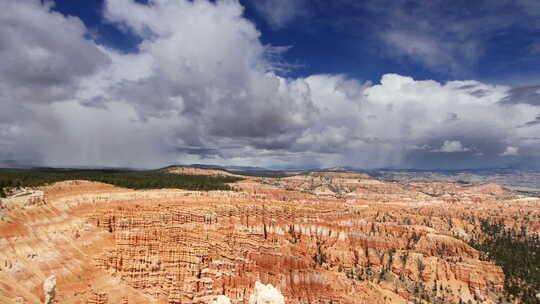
[317, 237]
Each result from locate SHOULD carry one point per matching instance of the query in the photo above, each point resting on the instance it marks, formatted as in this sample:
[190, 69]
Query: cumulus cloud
[203, 88]
[510, 151]
[450, 146]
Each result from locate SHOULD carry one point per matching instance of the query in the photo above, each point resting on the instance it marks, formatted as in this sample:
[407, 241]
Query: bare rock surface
[319, 238]
[266, 294]
[49, 289]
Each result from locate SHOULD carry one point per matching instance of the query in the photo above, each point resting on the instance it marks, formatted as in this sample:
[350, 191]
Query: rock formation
[266, 294]
[222, 300]
[199, 171]
[263, 294]
[319, 238]
[49, 289]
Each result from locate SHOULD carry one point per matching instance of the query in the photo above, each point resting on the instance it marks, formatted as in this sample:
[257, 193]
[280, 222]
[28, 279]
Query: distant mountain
[15, 164]
[515, 179]
[228, 168]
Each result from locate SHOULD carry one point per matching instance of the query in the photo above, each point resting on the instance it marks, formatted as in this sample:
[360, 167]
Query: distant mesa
[183, 170]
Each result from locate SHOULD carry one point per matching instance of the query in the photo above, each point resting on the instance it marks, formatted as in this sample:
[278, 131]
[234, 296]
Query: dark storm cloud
[152, 97]
[252, 120]
[452, 117]
[204, 152]
[532, 122]
[281, 143]
[478, 149]
[44, 54]
[98, 102]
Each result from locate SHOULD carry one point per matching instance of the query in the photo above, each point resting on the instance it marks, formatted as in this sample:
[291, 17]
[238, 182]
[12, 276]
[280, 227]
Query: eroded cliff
[318, 238]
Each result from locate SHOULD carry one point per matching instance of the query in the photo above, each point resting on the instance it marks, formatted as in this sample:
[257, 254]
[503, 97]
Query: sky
[270, 83]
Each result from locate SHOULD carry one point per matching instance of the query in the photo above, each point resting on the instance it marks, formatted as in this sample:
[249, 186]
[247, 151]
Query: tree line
[149, 179]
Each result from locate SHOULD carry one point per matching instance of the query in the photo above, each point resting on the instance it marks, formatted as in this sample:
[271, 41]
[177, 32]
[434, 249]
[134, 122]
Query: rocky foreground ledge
[318, 238]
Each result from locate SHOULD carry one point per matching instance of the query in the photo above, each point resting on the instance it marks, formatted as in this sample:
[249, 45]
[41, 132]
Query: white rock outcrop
[266, 294]
[49, 289]
[222, 300]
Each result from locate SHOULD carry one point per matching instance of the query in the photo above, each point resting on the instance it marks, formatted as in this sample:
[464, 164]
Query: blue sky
[275, 83]
[347, 36]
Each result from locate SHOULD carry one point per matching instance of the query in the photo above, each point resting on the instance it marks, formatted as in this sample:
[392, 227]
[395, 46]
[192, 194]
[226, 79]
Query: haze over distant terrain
[403, 84]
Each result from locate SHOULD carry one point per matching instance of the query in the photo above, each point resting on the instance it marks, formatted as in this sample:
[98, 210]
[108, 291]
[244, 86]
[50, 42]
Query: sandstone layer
[318, 238]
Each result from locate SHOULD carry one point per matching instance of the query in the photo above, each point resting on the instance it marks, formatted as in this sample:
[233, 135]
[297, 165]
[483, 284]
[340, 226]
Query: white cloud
[202, 89]
[510, 151]
[450, 146]
[424, 49]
